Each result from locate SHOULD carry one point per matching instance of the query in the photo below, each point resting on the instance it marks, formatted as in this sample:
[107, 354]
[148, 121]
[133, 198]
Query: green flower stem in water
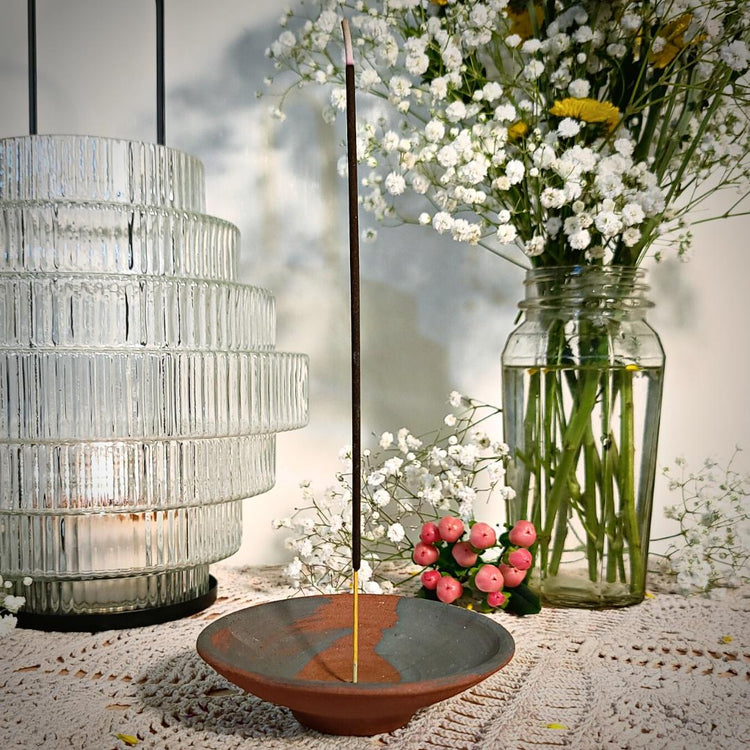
[565, 469]
[592, 476]
[627, 478]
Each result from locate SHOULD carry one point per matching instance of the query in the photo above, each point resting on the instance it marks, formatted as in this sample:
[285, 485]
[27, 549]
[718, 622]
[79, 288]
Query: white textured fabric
[663, 674]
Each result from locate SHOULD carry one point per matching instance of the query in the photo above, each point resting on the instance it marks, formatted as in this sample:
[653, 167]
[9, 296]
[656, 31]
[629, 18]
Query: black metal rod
[161, 130]
[31, 29]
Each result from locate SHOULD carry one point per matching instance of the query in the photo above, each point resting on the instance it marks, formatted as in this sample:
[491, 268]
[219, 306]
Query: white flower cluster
[572, 137]
[408, 480]
[9, 605]
[713, 544]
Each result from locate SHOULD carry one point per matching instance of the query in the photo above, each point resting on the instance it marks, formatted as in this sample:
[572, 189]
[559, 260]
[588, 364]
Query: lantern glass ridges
[140, 388]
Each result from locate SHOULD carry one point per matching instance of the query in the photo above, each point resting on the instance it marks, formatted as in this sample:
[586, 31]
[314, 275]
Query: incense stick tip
[349, 52]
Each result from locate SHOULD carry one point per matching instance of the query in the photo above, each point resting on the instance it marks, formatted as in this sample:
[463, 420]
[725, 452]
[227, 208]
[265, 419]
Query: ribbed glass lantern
[140, 390]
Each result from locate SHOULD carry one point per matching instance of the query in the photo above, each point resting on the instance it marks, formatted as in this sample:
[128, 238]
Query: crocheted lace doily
[669, 673]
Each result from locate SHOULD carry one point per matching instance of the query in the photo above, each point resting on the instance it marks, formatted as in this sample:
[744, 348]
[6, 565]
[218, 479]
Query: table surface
[672, 672]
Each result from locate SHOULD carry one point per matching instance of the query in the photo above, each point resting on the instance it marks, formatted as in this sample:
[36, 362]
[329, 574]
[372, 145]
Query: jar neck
[580, 291]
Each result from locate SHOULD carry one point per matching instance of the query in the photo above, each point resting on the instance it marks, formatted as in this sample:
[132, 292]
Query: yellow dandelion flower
[726, 639]
[439, 2]
[520, 21]
[517, 130]
[588, 110]
[674, 35]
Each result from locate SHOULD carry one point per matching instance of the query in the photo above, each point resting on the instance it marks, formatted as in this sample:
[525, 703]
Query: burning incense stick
[351, 141]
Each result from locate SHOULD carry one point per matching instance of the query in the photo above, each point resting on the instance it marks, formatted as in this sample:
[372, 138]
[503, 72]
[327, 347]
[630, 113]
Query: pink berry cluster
[454, 567]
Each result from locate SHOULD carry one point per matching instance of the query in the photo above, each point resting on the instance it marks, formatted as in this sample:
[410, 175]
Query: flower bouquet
[572, 139]
[419, 496]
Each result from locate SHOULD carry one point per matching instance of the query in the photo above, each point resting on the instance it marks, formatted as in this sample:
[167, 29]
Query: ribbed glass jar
[140, 389]
[582, 384]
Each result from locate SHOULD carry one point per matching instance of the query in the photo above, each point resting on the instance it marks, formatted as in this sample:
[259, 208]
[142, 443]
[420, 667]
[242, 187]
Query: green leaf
[523, 601]
[446, 562]
[424, 593]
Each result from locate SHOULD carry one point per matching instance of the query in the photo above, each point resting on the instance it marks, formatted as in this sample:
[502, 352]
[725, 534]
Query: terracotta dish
[298, 653]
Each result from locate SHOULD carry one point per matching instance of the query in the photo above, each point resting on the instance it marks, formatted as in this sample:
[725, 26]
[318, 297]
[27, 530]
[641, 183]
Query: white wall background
[435, 314]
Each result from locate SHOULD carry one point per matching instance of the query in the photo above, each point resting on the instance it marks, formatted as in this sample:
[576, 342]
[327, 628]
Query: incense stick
[351, 142]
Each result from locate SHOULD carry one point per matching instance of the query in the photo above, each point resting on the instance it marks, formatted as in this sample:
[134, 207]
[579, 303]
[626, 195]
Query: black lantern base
[136, 618]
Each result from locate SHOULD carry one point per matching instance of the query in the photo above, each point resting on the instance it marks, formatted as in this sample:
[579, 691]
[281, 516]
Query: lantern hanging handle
[32, 70]
[161, 135]
[31, 31]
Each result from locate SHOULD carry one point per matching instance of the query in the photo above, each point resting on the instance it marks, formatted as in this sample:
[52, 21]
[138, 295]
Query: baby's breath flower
[338, 99]
[455, 399]
[632, 214]
[395, 183]
[277, 114]
[375, 479]
[735, 55]
[505, 113]
[396, 532]
[579, 240]
[631, 236]
[10, 604]
[442, 221]
[381, 498]
[579, 88]
[7, 623]
[535, 246]
[294, 568]
[706, 552]
[506, 233]
[568, 128]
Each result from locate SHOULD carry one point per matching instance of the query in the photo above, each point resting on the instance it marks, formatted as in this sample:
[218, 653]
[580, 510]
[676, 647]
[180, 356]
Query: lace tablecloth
[669, 673]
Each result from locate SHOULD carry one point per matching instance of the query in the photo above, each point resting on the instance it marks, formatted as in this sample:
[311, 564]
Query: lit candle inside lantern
[117, 540]
[111, 544]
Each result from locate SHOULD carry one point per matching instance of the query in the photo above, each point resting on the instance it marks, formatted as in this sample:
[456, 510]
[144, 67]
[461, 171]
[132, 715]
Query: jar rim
[568, 287]
[581, 271]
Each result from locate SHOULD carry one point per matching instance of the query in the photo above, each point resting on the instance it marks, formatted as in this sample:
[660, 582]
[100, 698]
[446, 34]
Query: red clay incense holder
[298, 653]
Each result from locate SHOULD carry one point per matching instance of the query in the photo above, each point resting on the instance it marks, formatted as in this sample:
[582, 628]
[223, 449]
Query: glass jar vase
[582, 385]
